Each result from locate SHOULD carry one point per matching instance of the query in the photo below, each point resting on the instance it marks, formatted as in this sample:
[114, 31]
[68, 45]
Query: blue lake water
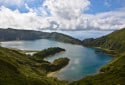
[83, 61]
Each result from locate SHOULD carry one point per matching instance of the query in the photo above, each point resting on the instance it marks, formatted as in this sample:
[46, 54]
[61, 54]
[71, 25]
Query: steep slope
[21, 69]
[114, 72]
[113, 41]
[14, 34]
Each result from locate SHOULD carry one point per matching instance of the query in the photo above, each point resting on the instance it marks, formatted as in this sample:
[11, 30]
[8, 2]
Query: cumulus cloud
[61, 15]
[107, 21]
[15, 19]
[66, 9]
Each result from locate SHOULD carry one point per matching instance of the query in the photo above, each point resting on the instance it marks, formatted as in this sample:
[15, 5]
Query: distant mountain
[62, 38]
[14, 34]
[113, 41]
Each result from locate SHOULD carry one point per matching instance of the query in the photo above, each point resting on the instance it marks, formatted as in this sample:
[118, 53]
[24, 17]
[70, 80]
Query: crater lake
[83, 61]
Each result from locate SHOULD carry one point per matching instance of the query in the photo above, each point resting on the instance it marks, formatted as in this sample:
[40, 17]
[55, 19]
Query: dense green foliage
[21, 69]
[14, 34]
[47, 52]
[61, 62]
[56, 65]
[114, 41]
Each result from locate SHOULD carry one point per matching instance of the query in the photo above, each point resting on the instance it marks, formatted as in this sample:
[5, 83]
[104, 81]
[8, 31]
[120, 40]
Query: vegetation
[106, 51]
[63, 38]
[47, 52]
[114, 41]
[59, 63]
[20, 69]
[56, 65]
[114, 72]
[14, 34]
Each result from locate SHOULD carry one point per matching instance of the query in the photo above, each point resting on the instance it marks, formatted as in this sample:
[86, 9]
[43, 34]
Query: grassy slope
[114, 72]
[114, 41]
[19, 69]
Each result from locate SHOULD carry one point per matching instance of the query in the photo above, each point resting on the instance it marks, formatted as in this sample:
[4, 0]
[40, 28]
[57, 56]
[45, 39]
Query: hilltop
[114, 41]
[14, 34]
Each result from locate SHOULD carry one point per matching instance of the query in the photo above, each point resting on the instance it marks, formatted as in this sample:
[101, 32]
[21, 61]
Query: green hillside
[21, 69]
[14, 34]
[63, 38]
[114, 72]
[114, 41]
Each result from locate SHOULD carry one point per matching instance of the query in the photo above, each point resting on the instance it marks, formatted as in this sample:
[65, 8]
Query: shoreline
[111, 53]
[51, 74]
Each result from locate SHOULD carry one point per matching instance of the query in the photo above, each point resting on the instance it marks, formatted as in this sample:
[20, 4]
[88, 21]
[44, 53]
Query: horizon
[78, 34]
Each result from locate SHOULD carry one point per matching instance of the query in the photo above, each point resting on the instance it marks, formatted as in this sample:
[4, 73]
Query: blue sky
[63, 15]
[97, 6]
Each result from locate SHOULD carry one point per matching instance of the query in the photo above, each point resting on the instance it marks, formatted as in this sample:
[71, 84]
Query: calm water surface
[83, 61]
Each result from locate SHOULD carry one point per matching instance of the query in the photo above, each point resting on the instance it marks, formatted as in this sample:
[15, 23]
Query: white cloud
[109, 20]
[67, 8]
[65, 15]
[15, 19]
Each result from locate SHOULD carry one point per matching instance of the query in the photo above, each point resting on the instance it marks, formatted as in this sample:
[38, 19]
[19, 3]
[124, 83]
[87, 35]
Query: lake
[83, 61]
